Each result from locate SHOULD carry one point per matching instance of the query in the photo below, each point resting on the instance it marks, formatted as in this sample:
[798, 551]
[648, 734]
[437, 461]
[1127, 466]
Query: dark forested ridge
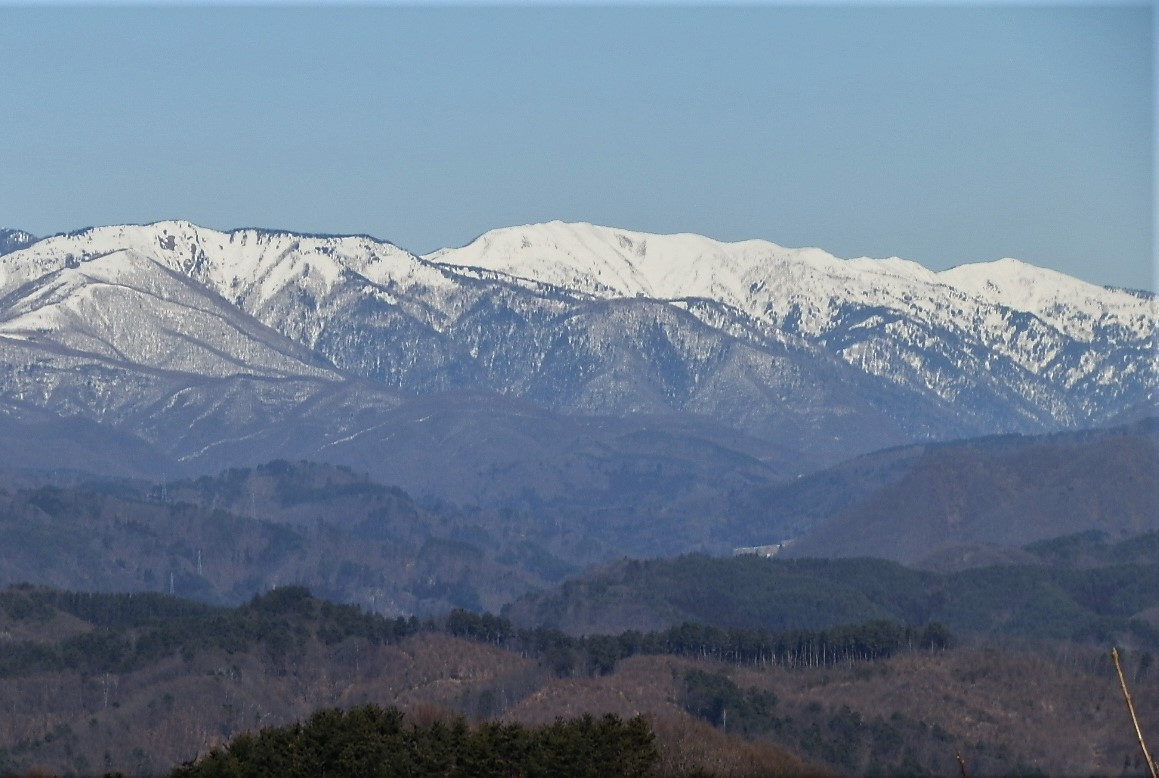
[119, 633]
[1101, 604]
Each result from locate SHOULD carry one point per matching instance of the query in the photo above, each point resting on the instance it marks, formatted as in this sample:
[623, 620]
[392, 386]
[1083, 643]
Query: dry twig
[1131, 710]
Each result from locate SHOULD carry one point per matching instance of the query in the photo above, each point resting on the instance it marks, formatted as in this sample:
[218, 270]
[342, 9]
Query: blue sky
[943, 134]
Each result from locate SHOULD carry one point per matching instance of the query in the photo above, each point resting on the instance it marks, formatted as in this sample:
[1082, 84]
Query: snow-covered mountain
[123, 306]
[202, 341]
[769, 281]
[1068, 347]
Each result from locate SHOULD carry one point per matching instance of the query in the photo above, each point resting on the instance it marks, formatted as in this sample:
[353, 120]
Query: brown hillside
[1054, 709]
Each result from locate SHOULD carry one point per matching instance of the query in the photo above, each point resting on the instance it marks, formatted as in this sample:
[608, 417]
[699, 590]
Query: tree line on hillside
[760, 647]
[131, 631]
[135, 630]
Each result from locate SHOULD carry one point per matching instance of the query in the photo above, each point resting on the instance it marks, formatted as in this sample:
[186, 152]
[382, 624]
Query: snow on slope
[805, 289]
[309, 288]
[122, 307]
[1073, 306]
[248, 267]
[597, 260]
[1021, 331]
[814, 294]
[1001, 329]
[768, 280]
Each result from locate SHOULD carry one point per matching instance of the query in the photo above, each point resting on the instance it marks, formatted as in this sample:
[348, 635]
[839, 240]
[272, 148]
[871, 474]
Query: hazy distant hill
[227, 538]
[999, 491]
[650, 495]
[920, 502]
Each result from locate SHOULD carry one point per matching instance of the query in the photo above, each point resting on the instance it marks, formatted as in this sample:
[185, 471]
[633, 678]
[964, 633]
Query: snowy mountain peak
[126, 308]
[809, 285]
[1009, 273]
[1074, 306]
[250, 265]
[606, 261]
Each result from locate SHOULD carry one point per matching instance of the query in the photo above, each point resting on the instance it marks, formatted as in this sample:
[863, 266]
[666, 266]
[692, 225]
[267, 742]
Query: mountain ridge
[679, 282]
[818, 357]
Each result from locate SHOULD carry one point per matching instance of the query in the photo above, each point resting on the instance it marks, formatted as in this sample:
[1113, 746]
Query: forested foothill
[143, 683]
